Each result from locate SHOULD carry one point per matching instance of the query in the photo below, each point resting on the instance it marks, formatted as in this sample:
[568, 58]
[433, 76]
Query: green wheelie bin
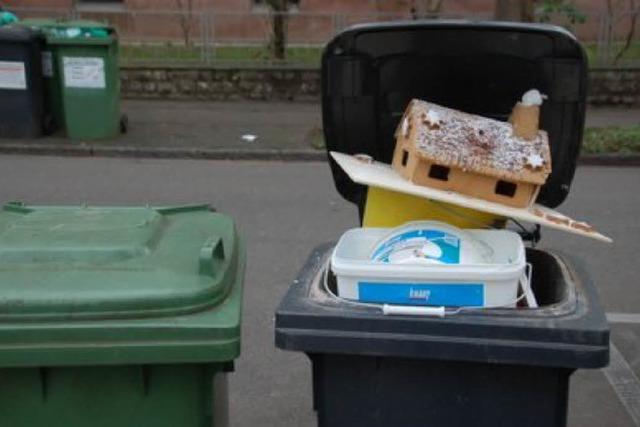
[117, 316]
[80, 64]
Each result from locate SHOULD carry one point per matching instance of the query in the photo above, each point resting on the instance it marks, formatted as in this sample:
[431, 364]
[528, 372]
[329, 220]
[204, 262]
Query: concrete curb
[304, 155]
[631, 160]
[164, 152]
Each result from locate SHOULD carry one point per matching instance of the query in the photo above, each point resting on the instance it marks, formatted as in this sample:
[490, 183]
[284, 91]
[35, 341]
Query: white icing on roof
[477, 143]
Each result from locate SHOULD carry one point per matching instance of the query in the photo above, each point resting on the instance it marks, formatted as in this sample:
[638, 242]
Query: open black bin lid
[371, 72]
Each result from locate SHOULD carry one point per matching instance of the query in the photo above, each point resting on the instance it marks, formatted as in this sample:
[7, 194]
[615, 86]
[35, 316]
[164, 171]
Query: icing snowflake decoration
[433, 117]
[535, 161]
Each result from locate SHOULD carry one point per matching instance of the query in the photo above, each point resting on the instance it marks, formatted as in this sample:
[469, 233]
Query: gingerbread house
[480, 157]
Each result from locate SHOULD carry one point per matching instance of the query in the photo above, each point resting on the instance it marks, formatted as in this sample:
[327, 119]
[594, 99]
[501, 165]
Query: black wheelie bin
[491, 367]
[21, 83]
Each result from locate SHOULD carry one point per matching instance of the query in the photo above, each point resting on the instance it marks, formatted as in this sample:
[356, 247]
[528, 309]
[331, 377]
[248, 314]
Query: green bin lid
[73, 31]
[113, 262]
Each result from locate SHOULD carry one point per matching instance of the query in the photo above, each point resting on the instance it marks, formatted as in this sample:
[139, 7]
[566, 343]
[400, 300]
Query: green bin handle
[211, 255]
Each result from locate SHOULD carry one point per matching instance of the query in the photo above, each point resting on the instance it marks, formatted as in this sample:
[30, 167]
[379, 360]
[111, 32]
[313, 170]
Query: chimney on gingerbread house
[525, 116]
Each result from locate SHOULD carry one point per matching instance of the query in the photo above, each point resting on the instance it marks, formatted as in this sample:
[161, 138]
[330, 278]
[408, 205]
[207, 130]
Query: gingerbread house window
[405, 158]
[439, 172]
[504, 188]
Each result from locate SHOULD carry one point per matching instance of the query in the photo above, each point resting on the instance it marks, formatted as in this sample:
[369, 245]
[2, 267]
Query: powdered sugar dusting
[478, 143]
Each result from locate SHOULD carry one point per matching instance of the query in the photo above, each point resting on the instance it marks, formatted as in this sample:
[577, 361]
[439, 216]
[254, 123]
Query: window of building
[100, 5]
[292, 5]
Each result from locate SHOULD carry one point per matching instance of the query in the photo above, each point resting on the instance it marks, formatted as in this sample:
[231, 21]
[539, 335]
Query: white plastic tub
[490, 283]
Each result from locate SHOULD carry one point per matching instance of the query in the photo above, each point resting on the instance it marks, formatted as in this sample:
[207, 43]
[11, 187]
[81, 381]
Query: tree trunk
[186, 9]
[514, 10]
[279, 27]
[279, 35]
[633, 19]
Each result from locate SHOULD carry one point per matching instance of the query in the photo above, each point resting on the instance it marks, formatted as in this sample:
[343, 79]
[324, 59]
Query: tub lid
[430, 242]
[371, 72]
[113, 262]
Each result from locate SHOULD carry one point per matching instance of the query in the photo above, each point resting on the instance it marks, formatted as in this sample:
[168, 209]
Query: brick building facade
[245, 21]
[474, 7]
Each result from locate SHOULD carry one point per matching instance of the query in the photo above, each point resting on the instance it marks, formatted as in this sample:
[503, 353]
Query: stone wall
[221, 84]
[615, 87]
[608, 87]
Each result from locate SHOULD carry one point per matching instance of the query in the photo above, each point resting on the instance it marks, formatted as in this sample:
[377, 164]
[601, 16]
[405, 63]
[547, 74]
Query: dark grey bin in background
[21, 84]
[496, 367]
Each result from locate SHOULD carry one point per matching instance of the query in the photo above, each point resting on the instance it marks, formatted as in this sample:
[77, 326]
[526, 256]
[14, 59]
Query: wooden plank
[381, 175]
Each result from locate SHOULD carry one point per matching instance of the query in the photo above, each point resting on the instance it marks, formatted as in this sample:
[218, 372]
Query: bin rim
[570, 334]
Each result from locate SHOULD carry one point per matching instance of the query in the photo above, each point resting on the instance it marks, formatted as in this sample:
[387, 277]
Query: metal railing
[619, 39]
[240, 38]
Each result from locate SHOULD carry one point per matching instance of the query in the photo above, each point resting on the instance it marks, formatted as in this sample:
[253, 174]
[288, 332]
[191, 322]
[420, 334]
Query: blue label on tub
[465, 294]
[445, 246]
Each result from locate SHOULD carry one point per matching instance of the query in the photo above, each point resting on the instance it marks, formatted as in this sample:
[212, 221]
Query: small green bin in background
[80, 64]
[117, 316]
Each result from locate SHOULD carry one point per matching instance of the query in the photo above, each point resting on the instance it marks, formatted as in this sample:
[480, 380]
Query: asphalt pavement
[286, 209]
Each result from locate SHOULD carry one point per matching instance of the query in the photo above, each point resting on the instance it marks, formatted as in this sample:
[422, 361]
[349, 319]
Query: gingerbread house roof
[475, 143]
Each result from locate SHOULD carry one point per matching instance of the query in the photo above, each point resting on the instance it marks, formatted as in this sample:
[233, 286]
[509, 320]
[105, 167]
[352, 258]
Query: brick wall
[607, 87]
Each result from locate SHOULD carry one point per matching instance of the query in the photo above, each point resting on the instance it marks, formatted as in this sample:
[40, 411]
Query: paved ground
[211, 125]
[285, 209]
[222, 125]
[602, 117]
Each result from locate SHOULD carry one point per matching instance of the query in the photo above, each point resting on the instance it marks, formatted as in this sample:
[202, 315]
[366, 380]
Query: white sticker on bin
[85, 73]
[12, 75]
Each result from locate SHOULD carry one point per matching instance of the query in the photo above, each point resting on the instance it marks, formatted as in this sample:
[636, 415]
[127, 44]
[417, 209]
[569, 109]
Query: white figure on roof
[533, 97]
